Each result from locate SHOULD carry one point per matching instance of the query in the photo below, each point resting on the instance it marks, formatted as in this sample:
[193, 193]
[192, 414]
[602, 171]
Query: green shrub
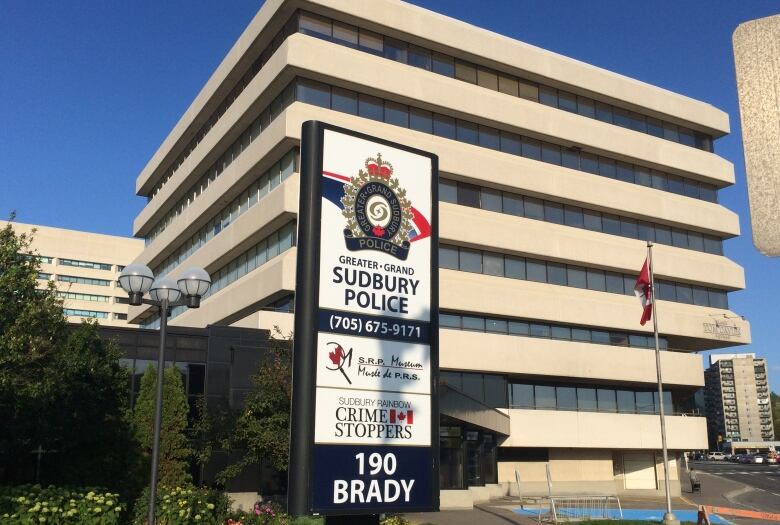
[395, 520]
[184, 506]
[307, 520]
[33, 504]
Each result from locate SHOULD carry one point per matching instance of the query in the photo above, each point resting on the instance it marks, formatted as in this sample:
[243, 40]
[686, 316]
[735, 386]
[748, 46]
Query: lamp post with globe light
[164, 292]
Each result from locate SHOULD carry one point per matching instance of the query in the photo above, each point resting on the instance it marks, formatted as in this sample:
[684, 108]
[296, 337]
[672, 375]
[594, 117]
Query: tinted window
[468, 195]
[603, 112]
[449, 321]
[345, 34]
[679, 238]
[611, 224]
[473, 323]
[556, 273]
[443, 64]
[468, 132]
[507, 84]
[567, 398]
[553, 212]
[345, 101]
[491, 200]
[561, 332]
[663, 235]
[589, 163]
[514, 267]
[576, 277]
[534, 208]
[628, 228]
[644, 403]
[548, 96]
[532, 148]
[625, 172]
[314, 25]
[621, 117]
[545, 396]
[487, 78]
[676, 184]
[513, 204]
[523, 395]
[396, 114]
[510, 143]
[570, 158]
[645, 231]
[448, 257]
[395, 50]
[700, 296]
[551, 153]
[596, 280]
[488, 137]
[684, 294]
[465, 71]
[312, 92]
[470, 260]
[370, 42]
[586, 399]
[448, 191]
[614, 283]
[567, 101]
[518, 328]
[592, 220]
[607, 168]
[573, 217]
[713, 245]
[370, 107]
[529, 90]
[670, 132]
[580, 334]
[696, 241]
[493, 264]
[536, 270]
[421, 120]
[655, 127]
[444, 126]
[641, 176]
[625, 401]
[600, 337]
[540, 330]
[606, 400]
[495, 325]
[419, 57]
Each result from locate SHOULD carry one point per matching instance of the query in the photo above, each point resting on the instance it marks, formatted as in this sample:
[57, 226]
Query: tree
[775, 400]
[175, 451]
[262, 428]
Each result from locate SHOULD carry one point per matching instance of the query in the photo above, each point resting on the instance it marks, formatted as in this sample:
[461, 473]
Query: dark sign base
[368, 519]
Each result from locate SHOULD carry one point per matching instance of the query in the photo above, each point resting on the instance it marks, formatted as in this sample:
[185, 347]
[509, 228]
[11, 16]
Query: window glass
[603, 112]
[452, 379]
[449, 321]
[641, 176]
[696, 241]
[493, 264]
[488, 137]
[314, 25]
[713, 245]
[529, 90]
[470, 260]
[522, 395]
[473, 323]
[561, 332]
[614, 283]
[610, 223]
[679, 238]
[607, 168]
[443, 64]
[628, 228]
[576, 277]
[718, 299]
[573, 216]
[621, 117]
[625, 401]
[518, 328]
[344, 101]
[556, 273]
[637, 340]
[490, 199]
[419, 57]
[580, 334]
[312, 92]
[700, 296]
[370, 42]
[670, 132]
[666, 291]
[589, 162]
[708, 192]
[703, 141]
[548, 96]
[684, 294]
[345, 34]
[553, 212]
[536, 270]
[487, 78]
[448, 257]
[596, 280]
[448, 191]
[663, 235]
[510, 143]
[370, 107]
[539, 330]
[465, 71]
[551, 153]
[421, 120]
[645, 231]
[534, 208]
[606, 400]
[686, 137]
[468, 195]
[644, 403]
[625, 172]
[660, 180]
[570, 158]
[473, 386]
[507, 84]
[638, 122]
[495, 391]
[655, 127]
[512, 204]
[691, 188]
[532, 148]
[444, 126]
[592, 220]
[567, 397]
[514, 267]
[586, 107]
[618, 339]
[586, 399]
[545, 396]
[567, 101]
[396, 114]
[467, 132]
[599, 337]
[495, 325]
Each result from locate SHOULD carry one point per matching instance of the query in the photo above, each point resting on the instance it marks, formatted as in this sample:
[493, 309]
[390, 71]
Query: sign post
[364, 434]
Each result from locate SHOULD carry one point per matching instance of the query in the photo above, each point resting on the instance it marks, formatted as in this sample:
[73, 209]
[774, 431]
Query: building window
[84, 264]
[71, 312]
[83, 280]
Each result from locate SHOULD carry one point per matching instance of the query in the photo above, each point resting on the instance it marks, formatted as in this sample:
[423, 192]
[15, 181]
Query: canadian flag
[644, 293]
[401, 415]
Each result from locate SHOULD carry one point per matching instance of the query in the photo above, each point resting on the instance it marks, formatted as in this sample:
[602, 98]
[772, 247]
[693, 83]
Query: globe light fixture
[164, 292]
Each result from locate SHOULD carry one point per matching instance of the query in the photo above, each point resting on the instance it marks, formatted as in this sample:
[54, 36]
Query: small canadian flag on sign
[399, 416]
[644, 293]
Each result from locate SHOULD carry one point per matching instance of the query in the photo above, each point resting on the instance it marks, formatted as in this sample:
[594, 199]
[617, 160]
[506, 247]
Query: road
[763, 482]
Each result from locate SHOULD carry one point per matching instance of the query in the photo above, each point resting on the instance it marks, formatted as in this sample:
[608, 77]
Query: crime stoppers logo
[379, 215]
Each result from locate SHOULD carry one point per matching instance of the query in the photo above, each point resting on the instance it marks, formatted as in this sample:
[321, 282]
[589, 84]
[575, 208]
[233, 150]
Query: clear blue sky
[89, 89]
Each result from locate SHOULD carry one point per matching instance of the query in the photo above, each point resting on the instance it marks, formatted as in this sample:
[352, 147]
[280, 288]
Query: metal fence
[561, 509]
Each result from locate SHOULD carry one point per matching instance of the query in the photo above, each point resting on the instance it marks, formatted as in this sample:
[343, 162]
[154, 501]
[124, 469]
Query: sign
[721, 330]
[365, 359]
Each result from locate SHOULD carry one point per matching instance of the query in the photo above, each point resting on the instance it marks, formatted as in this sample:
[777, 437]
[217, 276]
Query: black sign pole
[304, 336]
[434, 331]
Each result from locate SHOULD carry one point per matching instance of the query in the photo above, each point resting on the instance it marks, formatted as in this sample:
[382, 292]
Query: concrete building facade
[554, 174]
[737, 399]
[85, 267]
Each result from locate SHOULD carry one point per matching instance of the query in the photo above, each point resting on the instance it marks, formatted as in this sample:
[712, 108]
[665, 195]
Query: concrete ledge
[456, 500]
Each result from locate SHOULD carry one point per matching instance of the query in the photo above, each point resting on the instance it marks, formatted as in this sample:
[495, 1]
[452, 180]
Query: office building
[85, 267]
[554, 173]
[737, 400]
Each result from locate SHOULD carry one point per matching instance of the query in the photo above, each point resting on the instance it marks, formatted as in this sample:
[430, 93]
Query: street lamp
[164, 292]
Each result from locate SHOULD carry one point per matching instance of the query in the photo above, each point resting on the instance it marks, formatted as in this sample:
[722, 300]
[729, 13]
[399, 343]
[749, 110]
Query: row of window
[222, 219]
[525, 328]
[275, 244]
[83, 280]
[527, 269]
[544, 210]
[400, 51]
[83, 297]
[590, 399]
[242, 83]
[84, 264]
[71, 312]
[250, 133]
[44, 276]
[43, 259]
[346, 101]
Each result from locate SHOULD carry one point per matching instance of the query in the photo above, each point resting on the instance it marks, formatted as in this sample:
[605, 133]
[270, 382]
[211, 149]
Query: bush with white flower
[36, 505]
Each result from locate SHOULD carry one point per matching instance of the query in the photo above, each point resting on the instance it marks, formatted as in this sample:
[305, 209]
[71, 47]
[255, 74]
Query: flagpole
[669, 517]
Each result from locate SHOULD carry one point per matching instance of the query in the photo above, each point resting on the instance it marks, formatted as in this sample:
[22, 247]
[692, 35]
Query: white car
[717, 456]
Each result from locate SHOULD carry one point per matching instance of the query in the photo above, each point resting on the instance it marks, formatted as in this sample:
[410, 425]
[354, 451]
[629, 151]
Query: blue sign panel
[371, 479]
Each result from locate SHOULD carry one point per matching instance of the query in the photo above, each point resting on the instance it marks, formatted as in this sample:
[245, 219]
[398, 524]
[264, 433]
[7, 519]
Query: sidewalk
[718, 492]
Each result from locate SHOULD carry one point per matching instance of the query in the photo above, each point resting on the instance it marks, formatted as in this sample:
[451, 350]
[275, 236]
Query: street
[762, 482]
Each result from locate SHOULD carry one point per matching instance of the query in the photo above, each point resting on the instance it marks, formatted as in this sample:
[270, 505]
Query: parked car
[744, 458]
[717, 456]
[756, 458]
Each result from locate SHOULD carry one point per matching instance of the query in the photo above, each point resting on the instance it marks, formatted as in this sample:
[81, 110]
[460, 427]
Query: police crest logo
[379, 214]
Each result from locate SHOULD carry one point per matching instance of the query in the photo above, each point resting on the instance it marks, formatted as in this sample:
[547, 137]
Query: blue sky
[89, 89]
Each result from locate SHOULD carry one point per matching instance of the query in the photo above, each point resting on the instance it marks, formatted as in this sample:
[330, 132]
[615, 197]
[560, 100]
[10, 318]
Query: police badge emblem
[378, 213]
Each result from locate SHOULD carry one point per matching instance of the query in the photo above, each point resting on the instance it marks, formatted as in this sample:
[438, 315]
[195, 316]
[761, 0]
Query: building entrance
[467, 456]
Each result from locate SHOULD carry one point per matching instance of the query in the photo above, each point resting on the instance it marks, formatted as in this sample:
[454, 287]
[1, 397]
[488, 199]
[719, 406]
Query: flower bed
[33, 504]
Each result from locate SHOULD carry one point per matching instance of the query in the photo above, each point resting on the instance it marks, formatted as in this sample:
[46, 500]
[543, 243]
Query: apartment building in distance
[85, 267]
[737, 400]
[553, 175]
